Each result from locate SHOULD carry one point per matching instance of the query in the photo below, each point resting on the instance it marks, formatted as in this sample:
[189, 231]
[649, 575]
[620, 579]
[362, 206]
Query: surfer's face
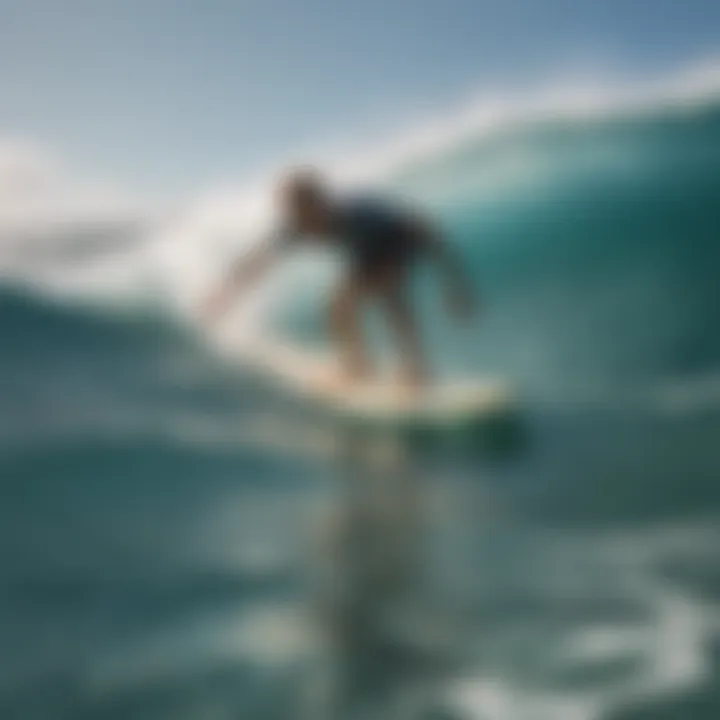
[305, 208]
[308, 214]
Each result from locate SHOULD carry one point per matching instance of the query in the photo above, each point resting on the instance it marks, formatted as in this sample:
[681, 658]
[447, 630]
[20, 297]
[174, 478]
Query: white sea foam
[659, 652]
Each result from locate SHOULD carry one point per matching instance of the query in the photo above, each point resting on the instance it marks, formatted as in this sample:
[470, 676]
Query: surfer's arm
[246, 271]
[460, 293]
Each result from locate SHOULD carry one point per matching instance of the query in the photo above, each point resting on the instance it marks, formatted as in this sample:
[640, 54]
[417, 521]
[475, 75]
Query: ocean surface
[179, 539]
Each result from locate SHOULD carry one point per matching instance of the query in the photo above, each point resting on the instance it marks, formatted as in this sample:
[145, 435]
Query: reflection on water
[388, 597]
[373, 595]
[438, 600]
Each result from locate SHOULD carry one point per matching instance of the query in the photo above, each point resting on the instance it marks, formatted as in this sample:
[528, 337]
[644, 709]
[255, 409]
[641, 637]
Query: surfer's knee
[397, 304]
[344, 306]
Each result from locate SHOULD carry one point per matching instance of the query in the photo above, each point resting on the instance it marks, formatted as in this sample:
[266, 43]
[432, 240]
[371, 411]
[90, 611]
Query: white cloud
[58, 232]
[35, 193]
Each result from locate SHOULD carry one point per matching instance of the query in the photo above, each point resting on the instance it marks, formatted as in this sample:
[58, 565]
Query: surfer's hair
[303, 183]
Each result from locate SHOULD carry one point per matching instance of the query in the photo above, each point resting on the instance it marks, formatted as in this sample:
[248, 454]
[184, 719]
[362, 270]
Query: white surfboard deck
[305, 374]
[442, 403]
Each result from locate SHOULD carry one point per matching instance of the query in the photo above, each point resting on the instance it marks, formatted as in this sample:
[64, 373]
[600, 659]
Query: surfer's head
[305, 200]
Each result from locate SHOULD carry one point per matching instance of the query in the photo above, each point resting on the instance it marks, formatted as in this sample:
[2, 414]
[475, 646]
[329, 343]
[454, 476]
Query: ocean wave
[559, 169]
[71, 221]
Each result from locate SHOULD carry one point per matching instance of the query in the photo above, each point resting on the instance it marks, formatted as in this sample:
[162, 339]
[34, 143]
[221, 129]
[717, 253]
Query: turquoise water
[181, 541]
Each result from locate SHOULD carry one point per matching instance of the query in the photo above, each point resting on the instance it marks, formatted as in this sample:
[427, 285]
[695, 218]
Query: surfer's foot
[412, 381]
[339, 380]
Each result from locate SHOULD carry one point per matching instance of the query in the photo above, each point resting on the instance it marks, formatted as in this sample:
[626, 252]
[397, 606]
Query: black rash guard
[373, 234]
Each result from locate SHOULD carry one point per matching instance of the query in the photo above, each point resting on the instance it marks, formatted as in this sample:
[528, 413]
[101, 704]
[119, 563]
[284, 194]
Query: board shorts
[376, 238]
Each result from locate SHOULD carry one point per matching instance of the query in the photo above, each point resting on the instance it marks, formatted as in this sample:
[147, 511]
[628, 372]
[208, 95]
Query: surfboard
[382, 401]
[440, 402]
[478, 414]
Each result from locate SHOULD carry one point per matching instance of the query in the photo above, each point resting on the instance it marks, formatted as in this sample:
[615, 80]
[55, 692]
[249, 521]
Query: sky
[169, 95]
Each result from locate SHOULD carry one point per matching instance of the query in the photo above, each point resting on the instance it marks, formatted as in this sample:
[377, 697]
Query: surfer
[382, 244]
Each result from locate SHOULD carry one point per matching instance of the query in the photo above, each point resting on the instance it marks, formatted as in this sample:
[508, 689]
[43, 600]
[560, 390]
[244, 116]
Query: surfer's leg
[392, 288]
[346, 327]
